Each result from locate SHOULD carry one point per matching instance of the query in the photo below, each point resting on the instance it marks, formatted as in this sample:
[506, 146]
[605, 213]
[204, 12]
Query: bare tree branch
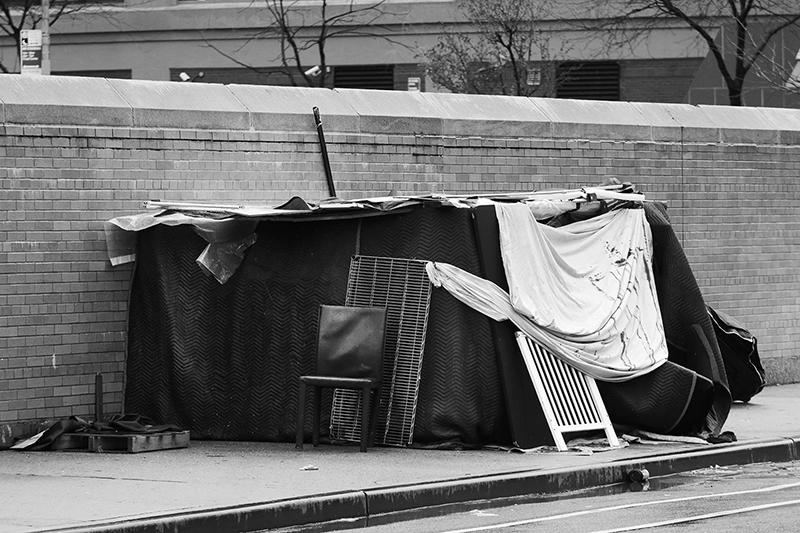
[309, 28]
[508, 53]
[754, 24]
[778, 74]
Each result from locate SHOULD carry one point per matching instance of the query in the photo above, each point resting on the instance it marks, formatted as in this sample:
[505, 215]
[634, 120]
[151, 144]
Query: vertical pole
[98, 397]
[324, 148]
[45, 37]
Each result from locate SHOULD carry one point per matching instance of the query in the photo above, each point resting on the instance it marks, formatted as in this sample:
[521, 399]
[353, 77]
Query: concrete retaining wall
[76, 152]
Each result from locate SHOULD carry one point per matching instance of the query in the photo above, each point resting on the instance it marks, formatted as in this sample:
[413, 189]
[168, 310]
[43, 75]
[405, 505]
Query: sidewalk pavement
[233, 487]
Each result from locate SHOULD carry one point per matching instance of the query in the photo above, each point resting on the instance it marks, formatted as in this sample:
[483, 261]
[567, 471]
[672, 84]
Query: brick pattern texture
[63, 306]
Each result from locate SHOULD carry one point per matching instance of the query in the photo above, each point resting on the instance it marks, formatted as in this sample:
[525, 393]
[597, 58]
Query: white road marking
[631, 506]
[698, 517]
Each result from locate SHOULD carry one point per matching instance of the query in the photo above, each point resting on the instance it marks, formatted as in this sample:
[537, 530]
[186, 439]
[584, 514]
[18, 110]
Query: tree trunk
[735, 94]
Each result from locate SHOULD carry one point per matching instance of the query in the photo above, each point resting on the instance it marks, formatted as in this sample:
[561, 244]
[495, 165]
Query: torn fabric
[221, 259]
[228, 239]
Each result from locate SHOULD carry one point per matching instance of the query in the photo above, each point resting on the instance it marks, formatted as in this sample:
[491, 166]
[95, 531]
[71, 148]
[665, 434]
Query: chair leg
[373, 424]
[365, 418]
[301, 416]
[316, 409]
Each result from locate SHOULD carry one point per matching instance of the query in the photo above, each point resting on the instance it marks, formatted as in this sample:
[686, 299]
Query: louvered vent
[569, 398]
[364, 77]
[588, 81]
[403, 288]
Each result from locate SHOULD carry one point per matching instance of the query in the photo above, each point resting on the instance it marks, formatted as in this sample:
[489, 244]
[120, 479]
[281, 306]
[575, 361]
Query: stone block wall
[75, 152]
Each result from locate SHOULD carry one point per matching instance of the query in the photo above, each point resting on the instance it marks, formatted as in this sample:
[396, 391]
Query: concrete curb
[345, 506]
[398, 503]
[394, 504]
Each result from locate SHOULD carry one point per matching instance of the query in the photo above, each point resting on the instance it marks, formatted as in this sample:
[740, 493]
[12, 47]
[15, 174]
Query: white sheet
[584, 291]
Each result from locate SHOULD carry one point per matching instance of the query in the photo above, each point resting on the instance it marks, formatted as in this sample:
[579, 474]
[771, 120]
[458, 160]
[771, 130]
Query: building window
[591, 80]
[364, 77]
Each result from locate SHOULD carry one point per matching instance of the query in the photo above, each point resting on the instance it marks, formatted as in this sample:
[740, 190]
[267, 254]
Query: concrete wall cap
[58, 90]
[678, 122]
[31, 99]
[177, 95]
[385, 103]
[589, 111]
[594, 119]
[782, 119]
[138, 103]
[492, 116]
[735, 117]
[741, 125]
[291, 108]
[484, 107]
[666, 115]
[394, 112]
[183, 105]
[786, 123]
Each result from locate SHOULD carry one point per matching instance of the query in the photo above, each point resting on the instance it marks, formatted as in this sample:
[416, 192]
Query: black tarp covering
[691, 339]
[739, 348]
[224, 360]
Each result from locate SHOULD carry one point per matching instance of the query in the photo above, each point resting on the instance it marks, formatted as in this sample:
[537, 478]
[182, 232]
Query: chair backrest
[350, 341]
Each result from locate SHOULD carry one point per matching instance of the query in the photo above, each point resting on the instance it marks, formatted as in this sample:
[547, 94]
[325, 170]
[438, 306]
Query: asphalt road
[754, 498]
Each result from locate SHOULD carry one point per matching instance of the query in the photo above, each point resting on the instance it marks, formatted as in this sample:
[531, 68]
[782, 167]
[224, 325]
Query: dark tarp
[223, 359]
[691, 340]
[739, 348]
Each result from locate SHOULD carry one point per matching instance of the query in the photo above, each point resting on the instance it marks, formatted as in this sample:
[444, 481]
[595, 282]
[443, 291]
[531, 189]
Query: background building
[219, 41]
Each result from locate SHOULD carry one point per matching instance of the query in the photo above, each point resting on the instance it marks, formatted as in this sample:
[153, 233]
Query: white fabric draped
[583, 291]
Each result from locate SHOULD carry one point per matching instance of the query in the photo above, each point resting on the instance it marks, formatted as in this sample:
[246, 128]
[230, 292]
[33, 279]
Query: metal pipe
[324, 148]
[98, 397]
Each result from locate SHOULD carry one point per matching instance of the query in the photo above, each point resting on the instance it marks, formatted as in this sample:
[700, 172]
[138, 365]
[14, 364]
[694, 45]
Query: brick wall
[77, 152]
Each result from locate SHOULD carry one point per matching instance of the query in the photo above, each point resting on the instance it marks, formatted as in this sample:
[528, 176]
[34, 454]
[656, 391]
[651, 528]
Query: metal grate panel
[403, 288]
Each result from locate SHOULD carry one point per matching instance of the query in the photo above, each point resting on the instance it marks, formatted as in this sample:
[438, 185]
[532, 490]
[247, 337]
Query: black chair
[349, 356]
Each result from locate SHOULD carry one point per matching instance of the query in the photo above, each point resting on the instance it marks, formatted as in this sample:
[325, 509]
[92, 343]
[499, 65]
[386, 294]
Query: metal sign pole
[46, 37]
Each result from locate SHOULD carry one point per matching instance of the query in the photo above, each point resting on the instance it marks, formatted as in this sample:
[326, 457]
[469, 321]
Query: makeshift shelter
[224, 299]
